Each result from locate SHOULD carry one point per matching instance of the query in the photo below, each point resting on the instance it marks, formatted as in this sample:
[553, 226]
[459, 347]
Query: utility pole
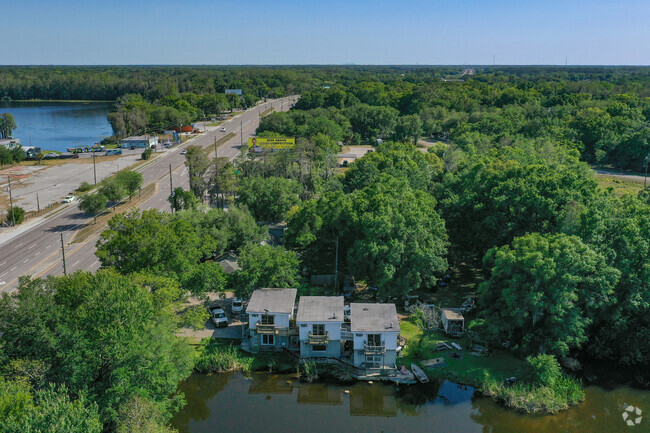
[171, 186]
[65, 270]
[94, 169]
[11, 203]
[38, 203]
[336, 266]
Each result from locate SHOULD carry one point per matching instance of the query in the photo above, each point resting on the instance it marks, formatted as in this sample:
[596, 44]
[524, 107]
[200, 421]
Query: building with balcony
[319, 322]
[375, 328]
[270, 316]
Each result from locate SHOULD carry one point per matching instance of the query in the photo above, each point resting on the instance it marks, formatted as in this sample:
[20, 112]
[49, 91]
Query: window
[373, 361]
[268, 340]
[319, 347]
[374, 339]
[318, 330]
[268, 319]
[303, 325]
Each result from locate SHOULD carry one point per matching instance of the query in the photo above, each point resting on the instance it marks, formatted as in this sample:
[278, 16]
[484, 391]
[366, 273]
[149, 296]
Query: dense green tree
[7, 125]
[183, 200]
[400, 239]
[198, 164]
[101, 335]
[205, 278]
[93, 204]
[130, 180]
[266, 266]
[543, 292]
[52, 411]
[15, 215]
[268, 199]
[408, 128]
[112, 190]
[150, 240]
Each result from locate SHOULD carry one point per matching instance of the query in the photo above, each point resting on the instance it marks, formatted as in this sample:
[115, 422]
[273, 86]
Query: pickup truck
[218, 316]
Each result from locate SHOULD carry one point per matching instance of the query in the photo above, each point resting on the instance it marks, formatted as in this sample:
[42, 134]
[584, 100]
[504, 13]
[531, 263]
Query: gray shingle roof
[273, 300]
[373, 318]
[320, 309]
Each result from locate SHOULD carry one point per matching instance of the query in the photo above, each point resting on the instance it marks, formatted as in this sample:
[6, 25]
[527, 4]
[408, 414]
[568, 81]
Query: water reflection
[235, 403]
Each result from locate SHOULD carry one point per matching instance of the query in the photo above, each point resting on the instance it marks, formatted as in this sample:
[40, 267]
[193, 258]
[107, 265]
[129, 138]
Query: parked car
[237, 306]
[223, 129]
[183, 152]
[348, 287]
[69, 198]
[218, 316]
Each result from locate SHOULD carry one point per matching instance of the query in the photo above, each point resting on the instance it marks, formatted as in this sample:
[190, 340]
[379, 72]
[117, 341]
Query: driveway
[234, 331]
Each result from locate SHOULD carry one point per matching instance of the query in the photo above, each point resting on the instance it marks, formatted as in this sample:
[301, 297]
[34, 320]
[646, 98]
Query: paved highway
[37, 251]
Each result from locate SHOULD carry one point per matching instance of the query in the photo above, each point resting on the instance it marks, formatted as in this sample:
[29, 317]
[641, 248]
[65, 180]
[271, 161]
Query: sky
[434, 32]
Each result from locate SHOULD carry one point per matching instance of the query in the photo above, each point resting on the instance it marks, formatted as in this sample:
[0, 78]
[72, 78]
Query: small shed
[453, 321]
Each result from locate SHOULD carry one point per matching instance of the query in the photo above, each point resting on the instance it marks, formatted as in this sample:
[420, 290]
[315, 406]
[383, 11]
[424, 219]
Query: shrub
[15, 215]
[219, 358]
[543, 370]
[84, 187]
[147, 154]
[195, 317]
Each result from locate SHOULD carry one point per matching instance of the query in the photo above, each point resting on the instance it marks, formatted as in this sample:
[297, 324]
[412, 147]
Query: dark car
[348, 287]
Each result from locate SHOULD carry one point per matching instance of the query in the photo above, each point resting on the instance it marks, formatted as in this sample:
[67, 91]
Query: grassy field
[620, 185]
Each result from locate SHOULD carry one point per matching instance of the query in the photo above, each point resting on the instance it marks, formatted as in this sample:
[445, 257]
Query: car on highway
[183, 152]
[69, 198]
[218, 316]
[223, 129]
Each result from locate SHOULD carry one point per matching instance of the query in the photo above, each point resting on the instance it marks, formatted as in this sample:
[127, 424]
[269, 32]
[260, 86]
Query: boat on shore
[404, 376]
[419, 373]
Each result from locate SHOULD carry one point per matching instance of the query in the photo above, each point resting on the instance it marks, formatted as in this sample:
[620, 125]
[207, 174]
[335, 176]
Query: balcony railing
[319, 339]
[265, 329]
[374, 350]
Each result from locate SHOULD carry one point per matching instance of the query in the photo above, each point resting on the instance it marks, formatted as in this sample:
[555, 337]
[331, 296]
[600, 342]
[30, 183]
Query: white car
[183, 152]
[218, 316]
[237, 306]
[223, 129]
[69, 198]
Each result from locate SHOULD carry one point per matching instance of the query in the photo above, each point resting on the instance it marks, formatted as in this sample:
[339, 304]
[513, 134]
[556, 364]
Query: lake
[232, 402]
[59, 125]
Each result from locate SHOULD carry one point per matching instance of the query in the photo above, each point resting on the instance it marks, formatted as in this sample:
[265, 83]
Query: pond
[59, 125]
[232, 402]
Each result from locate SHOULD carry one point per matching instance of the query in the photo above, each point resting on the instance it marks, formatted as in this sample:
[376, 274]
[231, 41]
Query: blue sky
[325, 32]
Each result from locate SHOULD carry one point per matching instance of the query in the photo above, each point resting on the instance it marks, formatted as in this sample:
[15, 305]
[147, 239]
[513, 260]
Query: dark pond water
[278, 403]
[59, 125]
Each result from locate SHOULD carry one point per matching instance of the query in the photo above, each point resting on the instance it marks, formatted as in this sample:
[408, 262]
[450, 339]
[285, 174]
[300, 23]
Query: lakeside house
[319, 322]
[229, 262]
[375, 328]
[139, 141]
[270, 312]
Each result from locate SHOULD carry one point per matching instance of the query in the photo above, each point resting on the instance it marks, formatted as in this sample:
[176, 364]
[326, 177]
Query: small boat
[419, 373]
[456, 346]
[404, 376]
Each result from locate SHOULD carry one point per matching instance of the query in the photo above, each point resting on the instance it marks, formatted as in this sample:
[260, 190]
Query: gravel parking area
[235, 329]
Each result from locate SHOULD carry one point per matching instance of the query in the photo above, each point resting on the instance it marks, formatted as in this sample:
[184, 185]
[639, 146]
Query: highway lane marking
[3, 273]
[75, 263]
[12, 268]
[2, 263]
[26, 260]
[31, 247]
[37, 253]
[18, 245]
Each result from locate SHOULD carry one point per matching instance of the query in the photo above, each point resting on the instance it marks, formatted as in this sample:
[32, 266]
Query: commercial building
[140, 141]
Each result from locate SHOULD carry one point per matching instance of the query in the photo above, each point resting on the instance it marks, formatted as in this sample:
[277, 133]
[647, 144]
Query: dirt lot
[235, 327]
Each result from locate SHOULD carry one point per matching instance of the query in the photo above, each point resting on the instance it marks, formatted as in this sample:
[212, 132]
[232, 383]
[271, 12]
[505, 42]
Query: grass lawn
[471, 370]
[620, 185]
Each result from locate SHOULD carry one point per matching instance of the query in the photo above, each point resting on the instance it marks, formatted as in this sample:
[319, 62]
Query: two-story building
[270, 313]
[141, 142]
[319, 323]
[375, 328]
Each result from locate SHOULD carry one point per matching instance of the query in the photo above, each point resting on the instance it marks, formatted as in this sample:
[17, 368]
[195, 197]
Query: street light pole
[94, 169]
[65, 270]
[171, 187]
[11, 203]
